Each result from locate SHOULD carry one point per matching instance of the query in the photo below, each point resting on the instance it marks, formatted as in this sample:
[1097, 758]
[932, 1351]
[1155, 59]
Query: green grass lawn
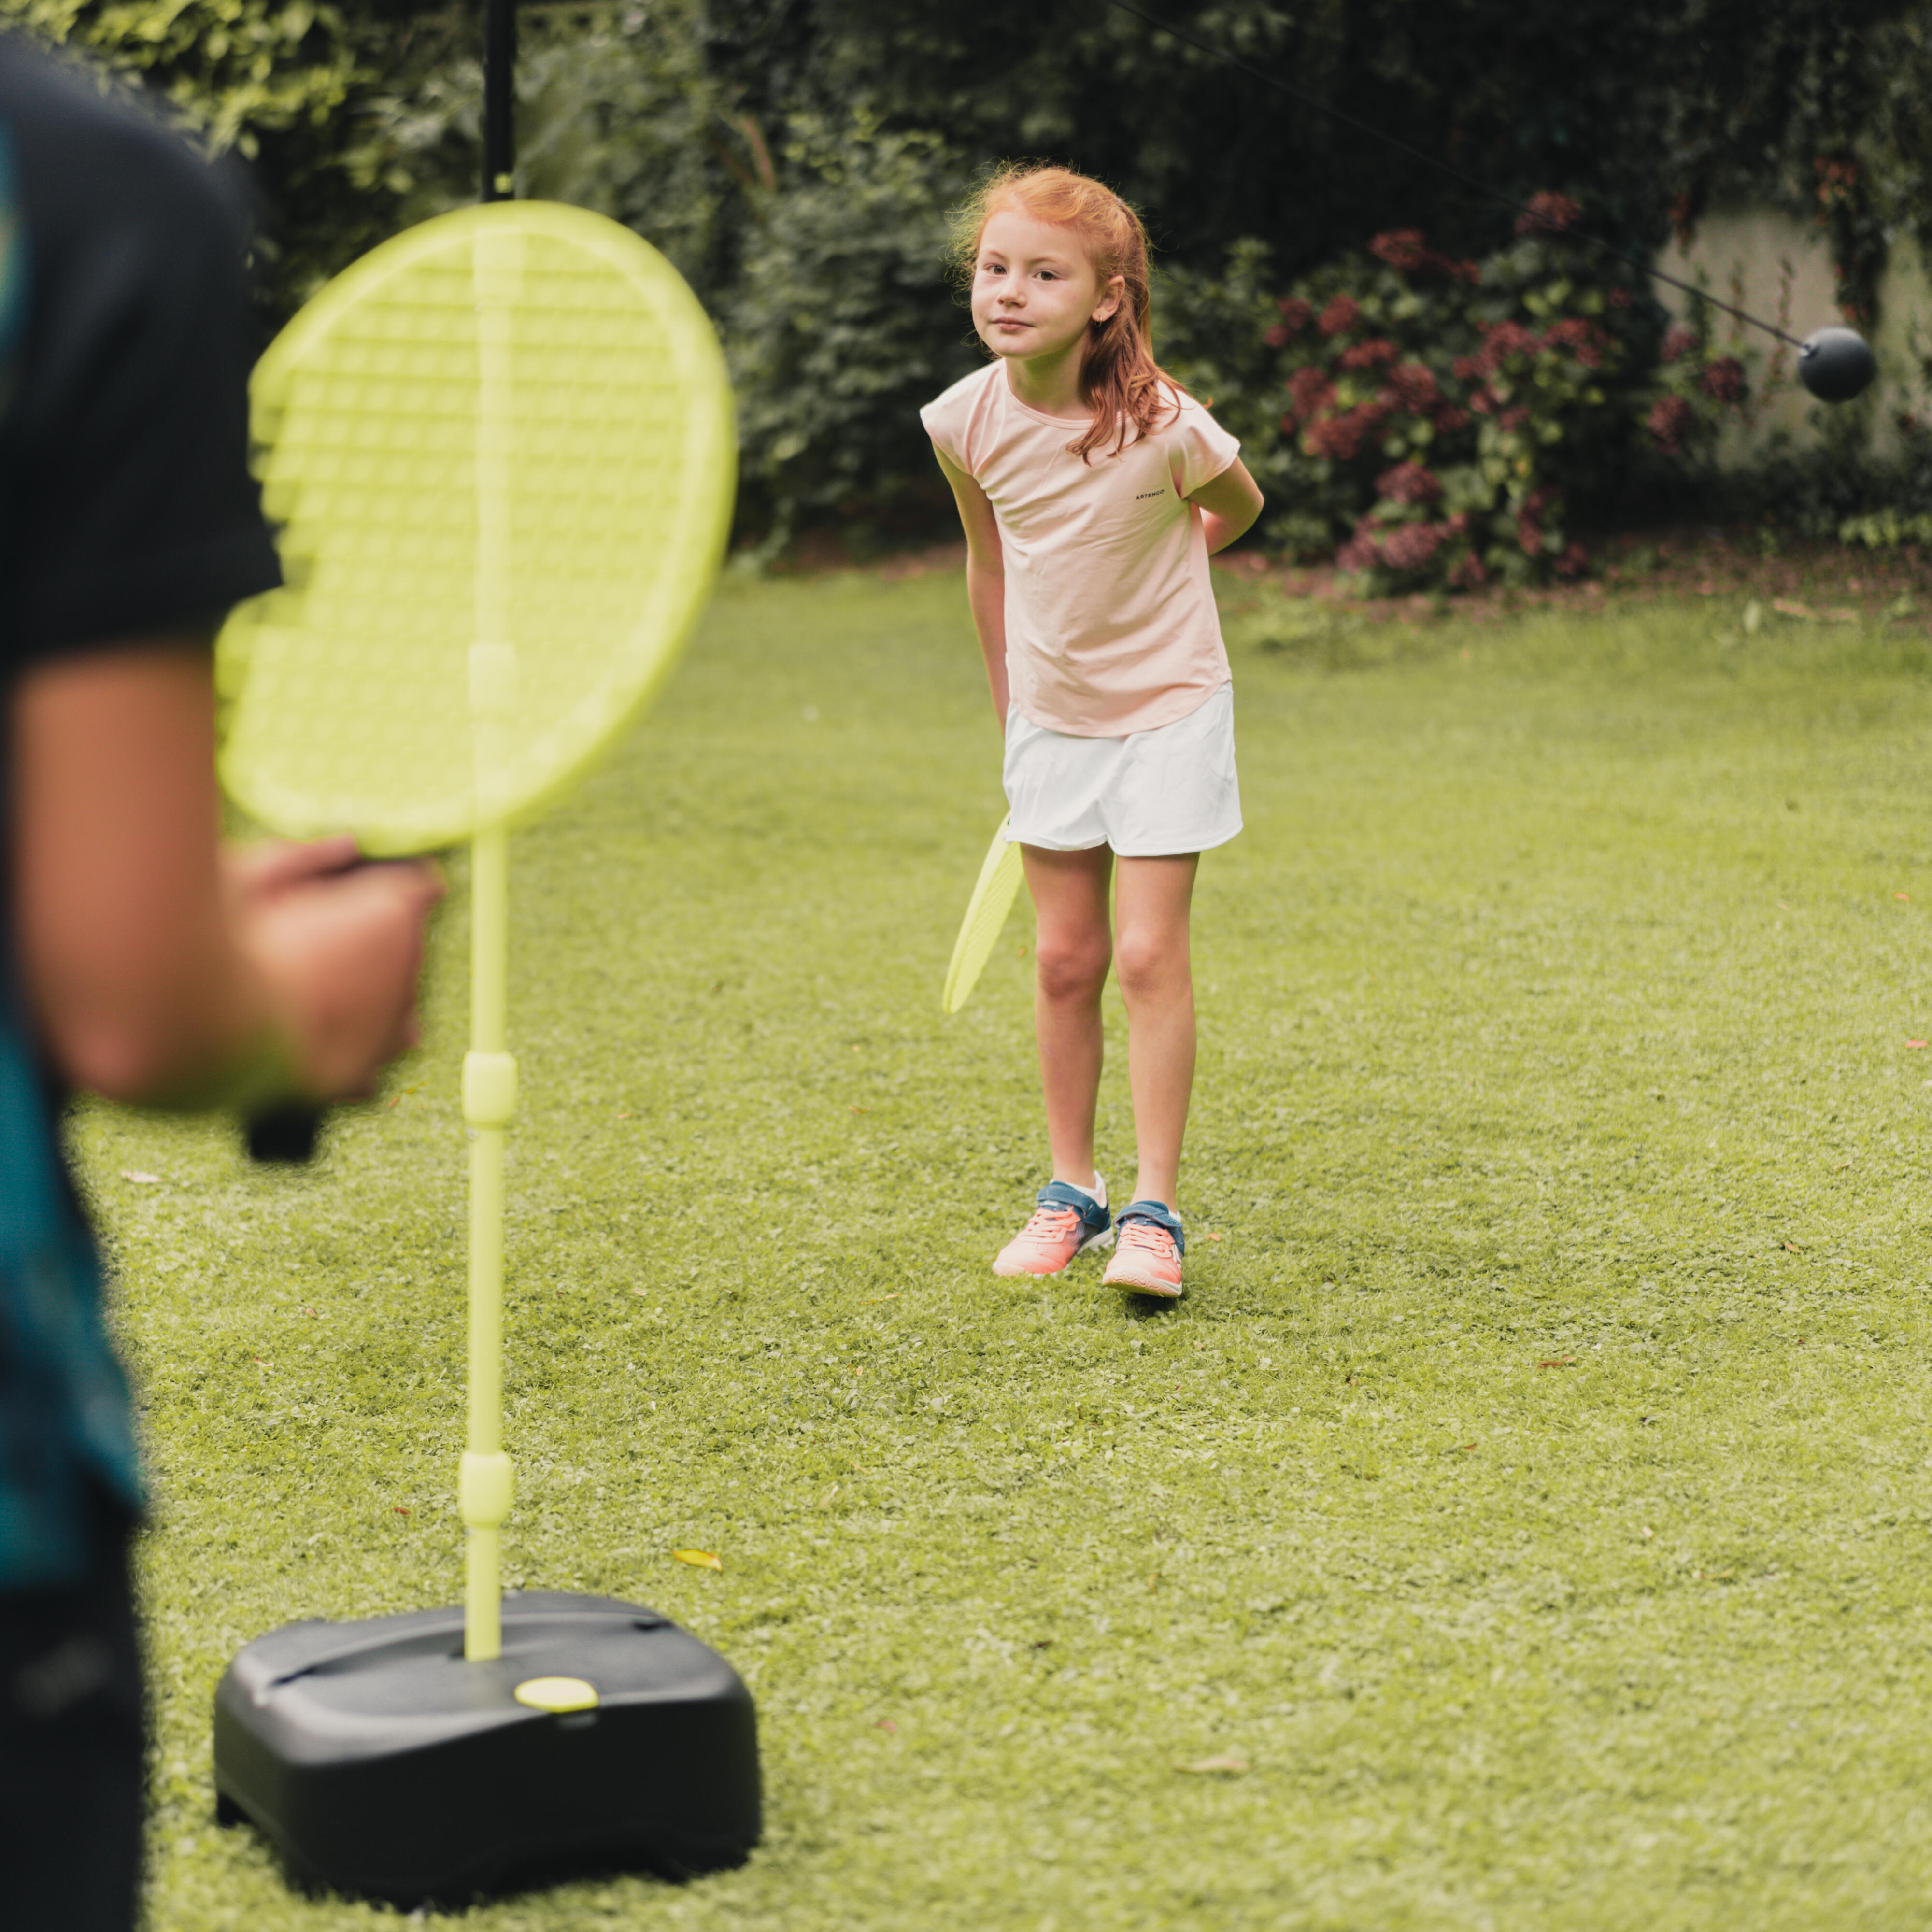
[1533, 1490]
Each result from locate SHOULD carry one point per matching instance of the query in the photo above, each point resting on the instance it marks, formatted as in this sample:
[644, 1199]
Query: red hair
[1120, 381]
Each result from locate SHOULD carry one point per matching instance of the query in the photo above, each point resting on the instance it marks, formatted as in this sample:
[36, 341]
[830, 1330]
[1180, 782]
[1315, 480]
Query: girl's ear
[1112, 294]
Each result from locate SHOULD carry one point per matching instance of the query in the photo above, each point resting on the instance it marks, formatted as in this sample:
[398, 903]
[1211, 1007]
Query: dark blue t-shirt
[126, 513]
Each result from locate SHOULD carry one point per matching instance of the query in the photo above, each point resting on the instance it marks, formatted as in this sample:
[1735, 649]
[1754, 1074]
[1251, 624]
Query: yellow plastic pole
[489, 1072]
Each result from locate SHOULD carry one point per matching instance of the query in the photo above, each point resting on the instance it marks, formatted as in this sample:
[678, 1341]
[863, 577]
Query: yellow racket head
[986, 915]
[511, 426]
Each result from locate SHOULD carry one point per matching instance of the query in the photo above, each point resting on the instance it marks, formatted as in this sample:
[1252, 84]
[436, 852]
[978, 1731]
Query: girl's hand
[1228, 504]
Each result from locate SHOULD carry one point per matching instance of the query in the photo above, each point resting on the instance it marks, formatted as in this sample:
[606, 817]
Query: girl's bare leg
[1073, 948]
[1157, 976]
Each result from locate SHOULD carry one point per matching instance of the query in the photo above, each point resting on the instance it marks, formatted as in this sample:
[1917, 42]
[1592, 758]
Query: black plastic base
[381, 1763]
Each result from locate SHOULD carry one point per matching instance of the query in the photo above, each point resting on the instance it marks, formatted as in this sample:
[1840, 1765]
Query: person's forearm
[1220, 531]
[157, 970]
[986, 594]
[129, 957]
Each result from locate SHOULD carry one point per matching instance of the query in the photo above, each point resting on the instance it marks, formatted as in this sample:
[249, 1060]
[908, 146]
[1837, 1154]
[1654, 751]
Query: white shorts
[1151, 795]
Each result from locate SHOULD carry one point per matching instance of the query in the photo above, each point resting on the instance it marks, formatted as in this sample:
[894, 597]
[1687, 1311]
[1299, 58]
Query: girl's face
[1034, 291]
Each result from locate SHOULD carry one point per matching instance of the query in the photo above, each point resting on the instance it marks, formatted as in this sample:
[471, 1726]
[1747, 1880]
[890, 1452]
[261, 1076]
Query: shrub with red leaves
[1310, 392]
[1580, 337]
[1548, 213]
[1669, 421]
[1340, 316]
[1409, 547]
[1441, 416]
[1413, 387]
[1343, 436]
[1360, 552]
[1402, 249]
[1410, 482]
[1502, 340]
[1723, 380]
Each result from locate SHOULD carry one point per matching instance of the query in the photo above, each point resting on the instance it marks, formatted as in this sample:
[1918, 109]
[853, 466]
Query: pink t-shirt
[1111, 623]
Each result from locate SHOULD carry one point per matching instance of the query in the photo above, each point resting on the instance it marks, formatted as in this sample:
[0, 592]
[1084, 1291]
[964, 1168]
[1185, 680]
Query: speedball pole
[500, 99]
[489, 1072]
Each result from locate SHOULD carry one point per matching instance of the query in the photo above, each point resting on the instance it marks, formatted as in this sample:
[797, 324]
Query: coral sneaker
[1066, 1221]
[1148, 1258]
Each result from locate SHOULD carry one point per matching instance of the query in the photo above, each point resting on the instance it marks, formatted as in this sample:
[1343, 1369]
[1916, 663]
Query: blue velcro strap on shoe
[1059, 1194]
[1161, 1215]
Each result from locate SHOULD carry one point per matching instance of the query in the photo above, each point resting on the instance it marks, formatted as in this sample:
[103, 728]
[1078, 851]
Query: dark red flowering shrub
[1401, 248]
[1340, 316]
[1723, 380]
[1377, 355]
[1670, 422]
[1409, 482]
[1547, 215]
[1436, 423]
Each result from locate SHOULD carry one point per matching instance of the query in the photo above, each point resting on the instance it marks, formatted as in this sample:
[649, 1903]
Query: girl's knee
[1072, 968]
[1150, 963]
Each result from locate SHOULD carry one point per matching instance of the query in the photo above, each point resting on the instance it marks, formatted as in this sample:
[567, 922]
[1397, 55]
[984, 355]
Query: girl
[1094, 489]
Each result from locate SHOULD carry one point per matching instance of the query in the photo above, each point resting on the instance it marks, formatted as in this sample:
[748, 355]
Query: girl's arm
[1228, 503]
[986, 577]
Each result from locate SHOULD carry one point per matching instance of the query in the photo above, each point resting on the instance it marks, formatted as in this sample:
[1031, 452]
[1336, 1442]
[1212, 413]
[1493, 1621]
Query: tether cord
[1442, 167]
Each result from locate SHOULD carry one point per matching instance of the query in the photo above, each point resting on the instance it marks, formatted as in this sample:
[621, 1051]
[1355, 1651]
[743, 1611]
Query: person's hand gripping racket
[338, 945]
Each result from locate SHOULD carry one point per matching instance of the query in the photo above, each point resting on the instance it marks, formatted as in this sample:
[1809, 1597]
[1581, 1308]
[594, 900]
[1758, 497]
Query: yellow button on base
[556, 1693]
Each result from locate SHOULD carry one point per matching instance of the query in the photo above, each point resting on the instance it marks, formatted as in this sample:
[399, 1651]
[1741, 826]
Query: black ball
[1836, 364]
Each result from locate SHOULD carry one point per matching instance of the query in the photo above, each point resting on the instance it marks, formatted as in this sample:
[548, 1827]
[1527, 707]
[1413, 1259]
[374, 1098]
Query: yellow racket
[500, 447]
[986, 912]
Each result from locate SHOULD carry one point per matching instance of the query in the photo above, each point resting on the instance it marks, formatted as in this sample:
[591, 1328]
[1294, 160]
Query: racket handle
[286, 1134]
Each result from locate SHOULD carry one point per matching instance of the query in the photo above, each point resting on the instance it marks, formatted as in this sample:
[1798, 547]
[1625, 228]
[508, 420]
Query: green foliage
[615, 112]
[1439, 418]
[234, 69]
[842, 322]
[278, 82]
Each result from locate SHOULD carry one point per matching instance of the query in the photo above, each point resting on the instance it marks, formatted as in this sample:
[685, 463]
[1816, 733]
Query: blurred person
[138, 958]
[1094, 489]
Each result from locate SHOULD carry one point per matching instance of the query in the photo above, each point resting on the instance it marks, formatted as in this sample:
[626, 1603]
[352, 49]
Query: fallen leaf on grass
[878, 1299]
[140, 1179]
[261, 1362]
[1213, 1237]
[1467, 1446]
[699, 1559]
[399, 1509]
[1910, 1044]
[1905, 896]
[1225, 1767]
[1556, 1362]
[885, 1724]
[862, 1110]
